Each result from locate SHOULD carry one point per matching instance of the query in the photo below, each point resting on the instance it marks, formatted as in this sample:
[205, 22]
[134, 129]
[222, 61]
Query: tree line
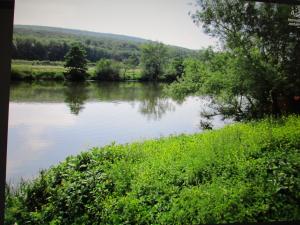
[49, 43]
[55, 50]
[155, 63]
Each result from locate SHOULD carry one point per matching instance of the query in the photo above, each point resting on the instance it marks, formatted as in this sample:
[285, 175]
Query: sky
[166, 21]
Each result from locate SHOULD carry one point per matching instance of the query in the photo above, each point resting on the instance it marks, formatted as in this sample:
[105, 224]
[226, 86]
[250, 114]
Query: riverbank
[24, 70]
[246, 172]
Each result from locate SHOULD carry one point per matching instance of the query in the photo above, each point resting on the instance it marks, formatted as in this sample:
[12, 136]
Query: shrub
[241, 173]
[107, 70]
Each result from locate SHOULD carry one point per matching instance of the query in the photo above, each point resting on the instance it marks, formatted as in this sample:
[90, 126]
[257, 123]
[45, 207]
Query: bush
[241, 173]
[75, 75]
[175, 69]
[107, 70]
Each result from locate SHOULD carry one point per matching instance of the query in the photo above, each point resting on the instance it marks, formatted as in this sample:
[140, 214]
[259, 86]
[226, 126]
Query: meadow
[245, 172]
[25, 70]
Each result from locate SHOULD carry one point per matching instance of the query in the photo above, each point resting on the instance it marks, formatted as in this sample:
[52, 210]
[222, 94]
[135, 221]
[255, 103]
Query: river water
[49, 121]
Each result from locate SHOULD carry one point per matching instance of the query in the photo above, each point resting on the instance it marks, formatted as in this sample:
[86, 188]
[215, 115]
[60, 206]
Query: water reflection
[155, 108]
[76, 95]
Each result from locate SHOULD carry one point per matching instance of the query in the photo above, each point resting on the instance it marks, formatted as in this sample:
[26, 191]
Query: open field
[53, 70]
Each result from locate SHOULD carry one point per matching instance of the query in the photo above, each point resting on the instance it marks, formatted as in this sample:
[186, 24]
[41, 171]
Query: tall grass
[247, 172]
[54, 70]
[26, 71]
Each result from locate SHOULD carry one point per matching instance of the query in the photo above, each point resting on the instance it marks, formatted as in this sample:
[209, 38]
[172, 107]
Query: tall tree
[76, 63]
[153, 60]
[268, 46]
[264, 62]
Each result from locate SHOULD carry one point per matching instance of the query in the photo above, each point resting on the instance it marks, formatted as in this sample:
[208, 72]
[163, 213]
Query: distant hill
[51, 43]
[40, 31]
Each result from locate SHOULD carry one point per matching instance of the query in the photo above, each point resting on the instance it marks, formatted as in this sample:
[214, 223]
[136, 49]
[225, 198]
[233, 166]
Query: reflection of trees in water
[147, 96]
[152, 103]
[155, 108]
[75, 96]
[126, 91]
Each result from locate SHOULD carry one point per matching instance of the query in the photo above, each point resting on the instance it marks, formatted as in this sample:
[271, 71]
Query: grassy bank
[40, 70]
[241, 173]
[54, 70]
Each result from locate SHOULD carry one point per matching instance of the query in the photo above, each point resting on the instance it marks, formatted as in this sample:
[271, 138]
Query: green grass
[54, 70]
[131, 74]
[247, 172]
[34, 71]
[36, 62]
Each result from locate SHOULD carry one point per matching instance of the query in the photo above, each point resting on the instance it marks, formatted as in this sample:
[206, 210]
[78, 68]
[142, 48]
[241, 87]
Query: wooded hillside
[51, 43]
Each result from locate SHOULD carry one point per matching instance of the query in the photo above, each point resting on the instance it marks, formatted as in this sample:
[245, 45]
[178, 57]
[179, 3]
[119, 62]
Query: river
[49, 121]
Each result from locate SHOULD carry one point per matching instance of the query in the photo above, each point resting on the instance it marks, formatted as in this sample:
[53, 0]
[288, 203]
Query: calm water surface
[50, 121]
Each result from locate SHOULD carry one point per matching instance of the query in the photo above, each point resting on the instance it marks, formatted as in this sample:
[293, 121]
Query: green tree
[153, 60]
[76, 63]
[263, 66]
[175, 69]
[107, 70]
[131, 62]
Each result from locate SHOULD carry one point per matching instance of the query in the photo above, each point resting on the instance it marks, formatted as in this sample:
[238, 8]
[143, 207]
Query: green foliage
[153, 60]
[258, 74]
[241, 87]
[107, 70]
[247, 172]
[76, 63]
[40, 70]
[206, 74]
[36, 72]
[175, 69]
[190, 82]
[50, 43]
[133, 60]
[131, 74]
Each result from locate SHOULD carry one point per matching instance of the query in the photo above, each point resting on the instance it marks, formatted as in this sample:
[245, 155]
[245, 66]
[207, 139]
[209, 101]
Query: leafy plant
[107, 70]
[76, 63]
[247, 172]
[153, 60]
